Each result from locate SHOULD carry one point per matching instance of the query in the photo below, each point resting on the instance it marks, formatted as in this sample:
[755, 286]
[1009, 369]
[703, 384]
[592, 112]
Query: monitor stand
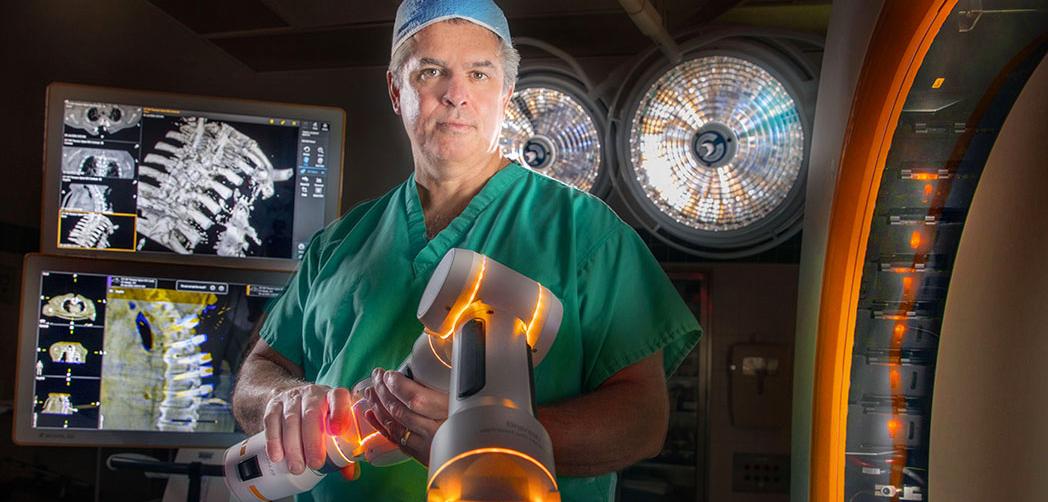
[195, 464]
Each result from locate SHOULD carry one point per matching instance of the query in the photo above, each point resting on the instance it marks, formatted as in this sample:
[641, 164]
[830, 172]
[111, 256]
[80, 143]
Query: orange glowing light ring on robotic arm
[460, 307]
[478, 451]
[539, 315]
[256, 493]
[436, 353]
[363, 446]
[473, 310]
[342, 454]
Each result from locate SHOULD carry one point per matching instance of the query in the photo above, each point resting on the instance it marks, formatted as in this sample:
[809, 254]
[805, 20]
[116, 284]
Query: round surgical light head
[717, 143]
[715, 151]
[555, 132]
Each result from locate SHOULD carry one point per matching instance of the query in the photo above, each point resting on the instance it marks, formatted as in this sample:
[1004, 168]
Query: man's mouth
[454, 126]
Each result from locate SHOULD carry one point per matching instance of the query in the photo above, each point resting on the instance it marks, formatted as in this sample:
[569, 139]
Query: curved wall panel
[901, 206]
[991, 402]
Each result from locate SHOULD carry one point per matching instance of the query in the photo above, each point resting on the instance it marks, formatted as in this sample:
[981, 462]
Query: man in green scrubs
[350, 309]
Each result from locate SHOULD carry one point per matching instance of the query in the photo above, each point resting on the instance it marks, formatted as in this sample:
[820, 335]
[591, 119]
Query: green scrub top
[351, 306]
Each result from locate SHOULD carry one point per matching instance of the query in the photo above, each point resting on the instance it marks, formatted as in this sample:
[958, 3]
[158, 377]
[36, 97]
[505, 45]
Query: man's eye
[429, 72]
[479, 75]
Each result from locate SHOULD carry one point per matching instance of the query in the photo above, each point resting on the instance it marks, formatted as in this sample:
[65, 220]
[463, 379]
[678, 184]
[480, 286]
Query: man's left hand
[405, 411]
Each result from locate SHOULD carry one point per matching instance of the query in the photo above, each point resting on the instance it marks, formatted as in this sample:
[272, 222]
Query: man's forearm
[615, 426]
[260, 379]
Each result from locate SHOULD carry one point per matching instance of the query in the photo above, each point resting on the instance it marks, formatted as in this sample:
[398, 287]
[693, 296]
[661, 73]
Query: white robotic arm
[486, 325]
[500, 323]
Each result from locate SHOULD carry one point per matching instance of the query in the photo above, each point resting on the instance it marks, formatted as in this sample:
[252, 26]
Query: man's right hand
[297, 419]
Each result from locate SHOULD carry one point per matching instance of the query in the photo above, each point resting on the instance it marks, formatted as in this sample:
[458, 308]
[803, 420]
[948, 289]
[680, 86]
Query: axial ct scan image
[106, 120]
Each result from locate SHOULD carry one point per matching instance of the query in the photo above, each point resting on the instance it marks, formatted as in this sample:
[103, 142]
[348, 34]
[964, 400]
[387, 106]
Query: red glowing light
[927, 192]
[351, 472]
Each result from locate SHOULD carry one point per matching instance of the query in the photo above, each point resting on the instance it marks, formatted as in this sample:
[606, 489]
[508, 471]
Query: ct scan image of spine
[88, 198]
[158, 371]
[199, 185]
[98, 162]
[93, 231]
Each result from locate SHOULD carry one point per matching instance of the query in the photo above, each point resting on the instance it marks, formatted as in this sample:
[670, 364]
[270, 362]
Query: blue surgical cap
[413, 15]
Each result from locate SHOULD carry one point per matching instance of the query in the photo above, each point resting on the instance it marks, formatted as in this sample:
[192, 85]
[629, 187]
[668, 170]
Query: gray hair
[509, 55]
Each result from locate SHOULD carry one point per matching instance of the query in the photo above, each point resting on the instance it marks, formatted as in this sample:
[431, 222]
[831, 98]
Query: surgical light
[717, 143]
[713, 150]
[554, 132]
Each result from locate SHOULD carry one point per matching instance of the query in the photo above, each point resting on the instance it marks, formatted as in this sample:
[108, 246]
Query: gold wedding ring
[404, 438]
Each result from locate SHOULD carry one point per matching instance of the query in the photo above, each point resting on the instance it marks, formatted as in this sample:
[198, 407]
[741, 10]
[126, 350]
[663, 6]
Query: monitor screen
[187, 179]
[121, 352]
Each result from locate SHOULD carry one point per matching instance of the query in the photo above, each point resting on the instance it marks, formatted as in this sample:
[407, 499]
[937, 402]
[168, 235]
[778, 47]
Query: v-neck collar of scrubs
[431, 251]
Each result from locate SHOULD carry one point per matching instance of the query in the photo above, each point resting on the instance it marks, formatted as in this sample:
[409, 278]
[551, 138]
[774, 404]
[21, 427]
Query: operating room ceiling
[278, 35]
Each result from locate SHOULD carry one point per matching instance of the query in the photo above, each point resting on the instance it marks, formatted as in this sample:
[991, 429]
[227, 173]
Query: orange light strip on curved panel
[478, 451]
[362, 447]
[533, 330]
[460, 308]
[437, 353]
[254, 491]
[904, 32]
[342, 454]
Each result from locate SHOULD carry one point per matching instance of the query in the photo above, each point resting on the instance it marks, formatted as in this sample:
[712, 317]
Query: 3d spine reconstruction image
[93, 231]
[199, 186]
[158, 375]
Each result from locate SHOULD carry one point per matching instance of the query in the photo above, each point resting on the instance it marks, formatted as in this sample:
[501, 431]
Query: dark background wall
[136, 44]
[742, 314]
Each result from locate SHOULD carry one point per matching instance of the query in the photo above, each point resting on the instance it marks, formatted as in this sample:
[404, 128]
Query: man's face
[451, 97]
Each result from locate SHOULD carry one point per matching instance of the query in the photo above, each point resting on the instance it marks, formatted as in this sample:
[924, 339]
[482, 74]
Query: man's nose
[457, 92]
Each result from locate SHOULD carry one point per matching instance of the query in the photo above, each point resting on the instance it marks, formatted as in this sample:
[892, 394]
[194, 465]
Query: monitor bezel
[23, 432]
[59, 92]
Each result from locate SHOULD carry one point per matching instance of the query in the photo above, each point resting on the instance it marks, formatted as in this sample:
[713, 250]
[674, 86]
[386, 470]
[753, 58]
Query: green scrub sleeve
[629, 309]
[282, 329]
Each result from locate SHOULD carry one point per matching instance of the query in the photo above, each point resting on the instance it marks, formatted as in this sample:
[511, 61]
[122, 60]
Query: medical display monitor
[128, 353]
[187, 179]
